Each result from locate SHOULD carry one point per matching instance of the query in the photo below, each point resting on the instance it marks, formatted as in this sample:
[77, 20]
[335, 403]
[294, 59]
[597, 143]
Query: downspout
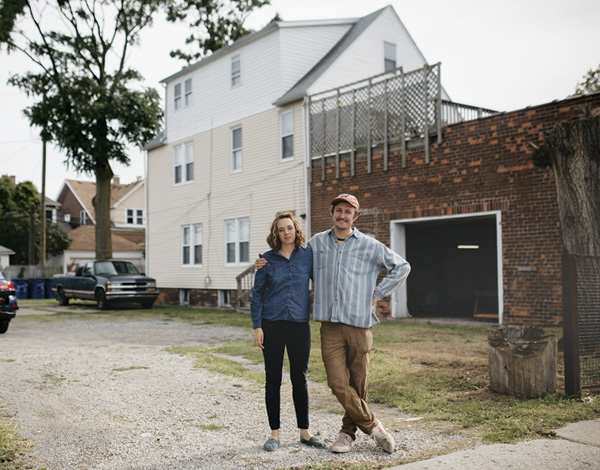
[307, 166]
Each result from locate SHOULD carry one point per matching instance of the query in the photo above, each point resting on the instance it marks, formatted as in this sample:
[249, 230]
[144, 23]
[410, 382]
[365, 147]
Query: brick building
[478, 222]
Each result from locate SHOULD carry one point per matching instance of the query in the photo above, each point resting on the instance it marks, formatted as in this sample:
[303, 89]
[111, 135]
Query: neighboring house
[83, 248]
[127, 209]
[234, 149]
[5, 254]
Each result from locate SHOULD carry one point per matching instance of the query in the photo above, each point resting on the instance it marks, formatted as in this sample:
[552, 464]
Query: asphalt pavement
[575, 447]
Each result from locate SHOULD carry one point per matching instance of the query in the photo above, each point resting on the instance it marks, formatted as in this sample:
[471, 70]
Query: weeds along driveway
[103, 393]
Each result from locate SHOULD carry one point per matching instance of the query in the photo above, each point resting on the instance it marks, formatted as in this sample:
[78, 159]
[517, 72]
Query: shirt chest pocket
[359, 263]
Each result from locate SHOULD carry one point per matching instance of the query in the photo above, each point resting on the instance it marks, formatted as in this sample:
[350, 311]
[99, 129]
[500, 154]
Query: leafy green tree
[90, 104]
[17, 202]
[213, 23]
[590, 82]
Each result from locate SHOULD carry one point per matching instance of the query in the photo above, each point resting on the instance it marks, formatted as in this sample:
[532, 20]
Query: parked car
[107, 282]
[8, 302]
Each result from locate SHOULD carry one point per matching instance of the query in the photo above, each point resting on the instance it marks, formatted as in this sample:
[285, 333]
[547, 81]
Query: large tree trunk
[101, 203]
[573, 150]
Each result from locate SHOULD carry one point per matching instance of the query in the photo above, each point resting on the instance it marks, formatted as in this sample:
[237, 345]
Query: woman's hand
[260, 261]
[259, 337]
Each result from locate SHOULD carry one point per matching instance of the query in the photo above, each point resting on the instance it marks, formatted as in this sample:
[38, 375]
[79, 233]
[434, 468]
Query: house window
[67, 218]
[191, 245]
[183, 163]
[389, 56]
[237, 238]
[223, 298]
[236, 149]
[177, 94]
[286, 129]
[188, 92]
[236, 70]
[82, 218]
[51, 215]
[135, 217]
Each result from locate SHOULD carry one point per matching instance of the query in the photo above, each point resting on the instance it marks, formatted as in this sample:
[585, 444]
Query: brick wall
[483, 165]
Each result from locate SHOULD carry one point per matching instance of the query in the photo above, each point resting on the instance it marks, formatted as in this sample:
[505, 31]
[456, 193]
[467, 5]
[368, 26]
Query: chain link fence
[581, 311]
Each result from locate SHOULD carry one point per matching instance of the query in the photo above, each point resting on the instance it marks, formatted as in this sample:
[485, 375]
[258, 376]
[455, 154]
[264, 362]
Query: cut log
[522, 361]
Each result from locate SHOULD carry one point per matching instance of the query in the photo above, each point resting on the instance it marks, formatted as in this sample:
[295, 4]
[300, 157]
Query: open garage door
[454, 263]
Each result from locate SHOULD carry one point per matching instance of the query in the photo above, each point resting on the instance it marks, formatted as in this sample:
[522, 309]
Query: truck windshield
[115, 267]
[124, 267]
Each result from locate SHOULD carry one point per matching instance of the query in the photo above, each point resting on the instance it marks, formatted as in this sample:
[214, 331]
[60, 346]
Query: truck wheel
[4, 326]
[101, 301]
[62, 298]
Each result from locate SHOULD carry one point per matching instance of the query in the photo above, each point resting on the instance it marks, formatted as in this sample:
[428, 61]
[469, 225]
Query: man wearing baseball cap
[346, 264]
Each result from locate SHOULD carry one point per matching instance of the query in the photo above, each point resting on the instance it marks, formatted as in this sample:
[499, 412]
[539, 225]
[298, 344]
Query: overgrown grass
[11, 444]
[435, 371]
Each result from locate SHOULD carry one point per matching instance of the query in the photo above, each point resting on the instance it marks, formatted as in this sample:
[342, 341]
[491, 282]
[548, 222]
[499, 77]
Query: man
[346, 264]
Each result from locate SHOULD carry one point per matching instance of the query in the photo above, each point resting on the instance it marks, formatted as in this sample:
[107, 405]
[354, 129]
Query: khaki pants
[346, 352]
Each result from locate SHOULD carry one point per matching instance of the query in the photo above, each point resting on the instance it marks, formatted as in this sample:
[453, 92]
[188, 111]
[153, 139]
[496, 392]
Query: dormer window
[236, 70]
[389, 56]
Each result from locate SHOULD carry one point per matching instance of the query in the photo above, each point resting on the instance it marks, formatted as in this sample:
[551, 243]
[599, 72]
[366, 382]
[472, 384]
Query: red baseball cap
[349, 198]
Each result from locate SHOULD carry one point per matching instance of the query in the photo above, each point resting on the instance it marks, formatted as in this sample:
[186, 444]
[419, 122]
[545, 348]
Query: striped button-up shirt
[345, 277]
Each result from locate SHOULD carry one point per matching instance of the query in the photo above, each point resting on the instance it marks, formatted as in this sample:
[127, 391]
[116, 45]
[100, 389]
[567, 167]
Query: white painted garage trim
[398, 244]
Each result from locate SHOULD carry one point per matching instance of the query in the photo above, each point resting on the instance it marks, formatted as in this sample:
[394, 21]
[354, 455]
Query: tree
[590, 82]
[89, 105]
[572, 150]
[213, 24]
[17, 201]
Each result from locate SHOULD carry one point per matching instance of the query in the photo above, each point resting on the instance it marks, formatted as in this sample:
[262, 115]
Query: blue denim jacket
[281, 288]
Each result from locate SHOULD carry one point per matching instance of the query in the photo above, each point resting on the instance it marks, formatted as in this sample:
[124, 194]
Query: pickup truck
[107, 282]
[8, 302]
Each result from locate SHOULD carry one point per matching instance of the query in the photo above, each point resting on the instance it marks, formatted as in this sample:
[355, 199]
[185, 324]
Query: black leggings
[296, 337]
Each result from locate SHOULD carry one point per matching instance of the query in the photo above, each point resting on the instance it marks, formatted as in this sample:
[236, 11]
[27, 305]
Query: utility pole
[43, 208]
[31, 228]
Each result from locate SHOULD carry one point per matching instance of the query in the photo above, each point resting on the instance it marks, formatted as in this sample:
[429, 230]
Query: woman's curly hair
[273, 239]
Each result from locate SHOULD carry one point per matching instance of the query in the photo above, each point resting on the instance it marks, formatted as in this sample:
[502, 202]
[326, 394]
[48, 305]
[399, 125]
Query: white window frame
[239, 237]
[183, 158]
[83, 218]
[177, 96]
[283, 133]
[236, 151]
[187, 92]
[236, 73]
[136, 215]
[389, 49]
[193, 243]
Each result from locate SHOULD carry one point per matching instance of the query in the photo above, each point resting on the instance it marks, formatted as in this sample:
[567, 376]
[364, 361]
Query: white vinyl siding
[232, 196]
[237, 241]
[183, 163]
[286, 132]
[236, 149]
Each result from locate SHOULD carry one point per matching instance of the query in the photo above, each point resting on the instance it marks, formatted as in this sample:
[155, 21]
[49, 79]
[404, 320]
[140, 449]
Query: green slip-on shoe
[313, 442]
[271, 445]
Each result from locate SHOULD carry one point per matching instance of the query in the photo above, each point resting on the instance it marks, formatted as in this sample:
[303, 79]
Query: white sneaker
[342, 444]
[383, 438]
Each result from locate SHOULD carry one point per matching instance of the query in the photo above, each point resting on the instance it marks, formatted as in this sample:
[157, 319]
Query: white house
[234, 148]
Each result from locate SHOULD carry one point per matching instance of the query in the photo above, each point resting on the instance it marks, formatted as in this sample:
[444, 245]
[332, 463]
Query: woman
[280, 310]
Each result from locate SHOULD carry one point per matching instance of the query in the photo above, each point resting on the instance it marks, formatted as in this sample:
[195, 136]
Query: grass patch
[11, 444]
[125, 369]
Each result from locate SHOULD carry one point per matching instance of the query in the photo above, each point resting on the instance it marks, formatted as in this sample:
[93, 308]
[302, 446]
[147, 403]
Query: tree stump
[522, 361]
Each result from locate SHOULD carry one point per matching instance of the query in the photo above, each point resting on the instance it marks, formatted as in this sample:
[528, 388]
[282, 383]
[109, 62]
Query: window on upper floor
[389, 56]
[191, 245]
[183, 163]
[236, 70]
[188, 92]
[237, 240]
[177, 96]
[286, 130]
[82, 218]
[236, 149]
[134, 217]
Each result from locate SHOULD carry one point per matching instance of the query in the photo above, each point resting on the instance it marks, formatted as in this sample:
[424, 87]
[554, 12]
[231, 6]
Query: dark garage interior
[454, 268]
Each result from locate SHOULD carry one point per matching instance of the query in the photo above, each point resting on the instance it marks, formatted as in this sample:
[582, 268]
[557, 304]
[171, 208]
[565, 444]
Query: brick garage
[484, 168]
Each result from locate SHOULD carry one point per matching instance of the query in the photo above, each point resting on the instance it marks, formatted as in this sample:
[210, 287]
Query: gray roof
[6, 251]
[156, 142]
[300, 88]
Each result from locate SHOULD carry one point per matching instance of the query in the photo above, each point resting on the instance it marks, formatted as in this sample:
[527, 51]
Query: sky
[503, 55]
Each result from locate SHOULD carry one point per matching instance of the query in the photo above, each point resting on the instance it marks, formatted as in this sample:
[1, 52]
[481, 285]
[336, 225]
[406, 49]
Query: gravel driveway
[103, 393]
